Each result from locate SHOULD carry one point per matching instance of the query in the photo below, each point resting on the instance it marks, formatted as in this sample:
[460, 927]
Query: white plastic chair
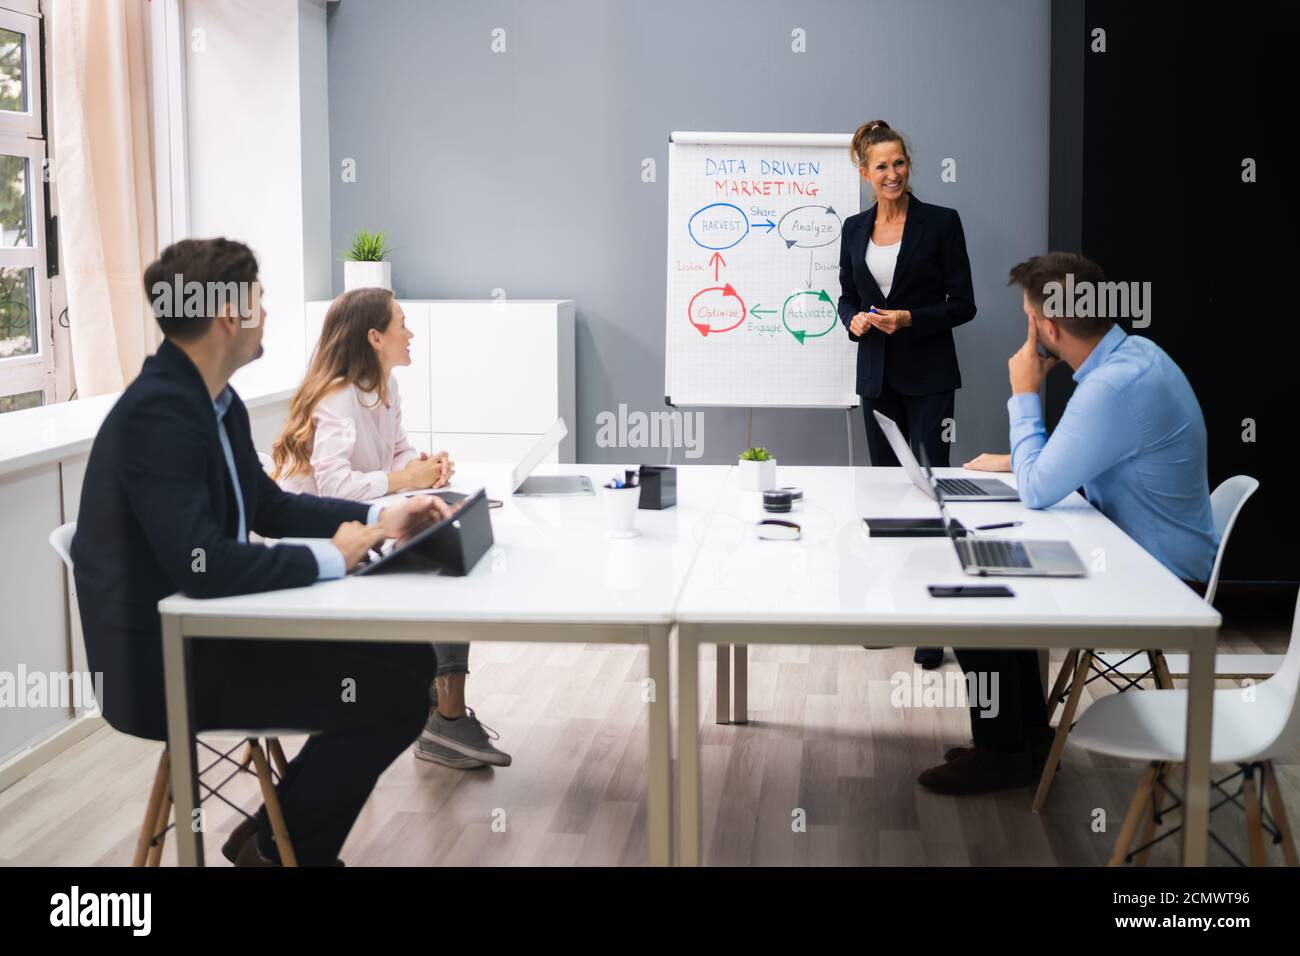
[61, 542]
[158, 809]
[1226, 502]
[1252, 727]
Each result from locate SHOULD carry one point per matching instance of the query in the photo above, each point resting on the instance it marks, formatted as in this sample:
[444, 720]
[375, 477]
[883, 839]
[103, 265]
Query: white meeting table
[552, 576]
[837, 586]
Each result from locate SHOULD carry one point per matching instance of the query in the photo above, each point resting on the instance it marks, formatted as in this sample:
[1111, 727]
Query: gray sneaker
[465, 735]
[436, 753]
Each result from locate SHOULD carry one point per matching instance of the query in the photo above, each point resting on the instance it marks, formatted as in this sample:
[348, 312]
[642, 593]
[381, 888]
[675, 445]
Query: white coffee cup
[620, 510]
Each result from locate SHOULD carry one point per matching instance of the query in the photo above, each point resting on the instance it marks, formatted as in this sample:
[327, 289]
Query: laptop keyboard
[992, 553]
[960, 486]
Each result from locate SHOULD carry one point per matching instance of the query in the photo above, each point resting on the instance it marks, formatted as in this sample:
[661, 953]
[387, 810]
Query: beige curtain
[103, 173]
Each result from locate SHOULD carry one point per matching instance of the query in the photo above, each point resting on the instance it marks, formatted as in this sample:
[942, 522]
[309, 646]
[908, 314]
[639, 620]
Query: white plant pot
[367, 275]
[757, 475]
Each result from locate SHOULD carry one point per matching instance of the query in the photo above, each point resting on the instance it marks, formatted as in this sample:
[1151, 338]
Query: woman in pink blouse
[344, 439]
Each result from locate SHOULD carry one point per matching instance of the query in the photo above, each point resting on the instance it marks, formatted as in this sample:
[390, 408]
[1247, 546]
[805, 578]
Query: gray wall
[522, 170]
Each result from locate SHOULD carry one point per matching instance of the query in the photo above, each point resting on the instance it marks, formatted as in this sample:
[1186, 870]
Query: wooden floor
[823, 739]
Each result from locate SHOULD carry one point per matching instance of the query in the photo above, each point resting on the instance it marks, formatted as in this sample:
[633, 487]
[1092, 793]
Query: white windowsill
[37, 436]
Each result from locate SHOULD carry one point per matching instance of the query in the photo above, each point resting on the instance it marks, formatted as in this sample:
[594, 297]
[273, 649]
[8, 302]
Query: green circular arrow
[800, 336]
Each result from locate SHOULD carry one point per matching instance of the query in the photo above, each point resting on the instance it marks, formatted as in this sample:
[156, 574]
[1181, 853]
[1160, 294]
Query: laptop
[524, 483]
[1007, 557]
[954, 489]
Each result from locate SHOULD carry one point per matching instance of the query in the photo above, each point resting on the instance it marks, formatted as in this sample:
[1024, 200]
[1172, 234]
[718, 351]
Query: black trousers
[368, 703]
[1019, 697]
[919, 417]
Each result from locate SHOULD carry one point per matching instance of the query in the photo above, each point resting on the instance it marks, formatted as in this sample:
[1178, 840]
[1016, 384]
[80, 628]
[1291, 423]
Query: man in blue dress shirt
[1132, 436]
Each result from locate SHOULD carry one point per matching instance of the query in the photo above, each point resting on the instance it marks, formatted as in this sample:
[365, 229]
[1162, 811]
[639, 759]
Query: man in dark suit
[172, 489]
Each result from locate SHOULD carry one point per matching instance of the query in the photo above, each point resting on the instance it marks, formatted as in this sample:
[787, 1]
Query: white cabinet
[413, 379]
[487, 378]
[33, 630]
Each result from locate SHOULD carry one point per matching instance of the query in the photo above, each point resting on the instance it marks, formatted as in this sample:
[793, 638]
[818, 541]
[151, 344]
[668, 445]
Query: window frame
[21, 134]
[27, 123]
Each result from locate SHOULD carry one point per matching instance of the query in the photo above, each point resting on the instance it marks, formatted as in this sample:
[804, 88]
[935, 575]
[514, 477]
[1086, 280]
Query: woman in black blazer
[905, 285]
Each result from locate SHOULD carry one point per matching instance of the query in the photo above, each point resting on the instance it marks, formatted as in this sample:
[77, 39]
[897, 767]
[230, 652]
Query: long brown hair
[343, 356]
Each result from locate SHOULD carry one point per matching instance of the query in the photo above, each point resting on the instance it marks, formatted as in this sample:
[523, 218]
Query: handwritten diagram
[753, 274]
[722, 225]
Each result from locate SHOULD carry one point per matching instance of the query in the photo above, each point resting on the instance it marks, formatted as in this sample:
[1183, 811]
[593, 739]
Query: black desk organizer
[658, 487]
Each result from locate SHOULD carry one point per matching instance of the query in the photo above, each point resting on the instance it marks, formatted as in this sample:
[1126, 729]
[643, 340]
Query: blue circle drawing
[711, 206]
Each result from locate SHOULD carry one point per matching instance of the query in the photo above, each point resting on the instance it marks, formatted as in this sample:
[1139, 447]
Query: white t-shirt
[880, 263]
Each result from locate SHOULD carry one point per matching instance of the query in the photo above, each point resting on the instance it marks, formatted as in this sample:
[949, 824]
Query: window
[26, 339]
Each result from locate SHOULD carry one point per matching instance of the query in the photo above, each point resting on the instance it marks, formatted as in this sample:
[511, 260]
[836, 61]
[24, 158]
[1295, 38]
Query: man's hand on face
[1026, 367]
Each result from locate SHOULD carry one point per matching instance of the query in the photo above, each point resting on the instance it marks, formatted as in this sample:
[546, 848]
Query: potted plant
[757, 470]
[364, 266]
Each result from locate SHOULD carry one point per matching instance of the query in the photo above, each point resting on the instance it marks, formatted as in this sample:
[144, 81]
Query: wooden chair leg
[1278, 809]
[247, 758]
[1254, 819]
[160, 828]
[1063, 729]
[1062, 679]
[1133, 817]
[272, 801]
[1160, 668]
[156, 792]
[1149, 827]
[277, 754]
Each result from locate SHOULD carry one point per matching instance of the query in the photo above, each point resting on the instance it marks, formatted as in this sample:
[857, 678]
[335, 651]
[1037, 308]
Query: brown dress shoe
[246, 853]
[250, 855]
[238, 837]
[952, 753]
[980, 771]
[1040, 745]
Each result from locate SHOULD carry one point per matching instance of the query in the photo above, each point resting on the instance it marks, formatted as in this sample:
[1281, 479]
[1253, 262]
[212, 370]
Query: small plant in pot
[757, 470]
[364, 265]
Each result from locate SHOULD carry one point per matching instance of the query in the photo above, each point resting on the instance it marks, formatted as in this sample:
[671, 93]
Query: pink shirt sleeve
[331, 456]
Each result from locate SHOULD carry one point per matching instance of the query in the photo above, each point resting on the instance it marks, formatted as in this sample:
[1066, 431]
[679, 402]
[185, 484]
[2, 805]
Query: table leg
[660, 794]
[689, 822]
[1200, 725]
[722, 697]
[180, 743]
[740, 696]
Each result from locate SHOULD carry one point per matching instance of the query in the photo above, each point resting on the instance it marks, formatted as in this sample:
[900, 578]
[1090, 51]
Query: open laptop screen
[535, 454]
[938, 496]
